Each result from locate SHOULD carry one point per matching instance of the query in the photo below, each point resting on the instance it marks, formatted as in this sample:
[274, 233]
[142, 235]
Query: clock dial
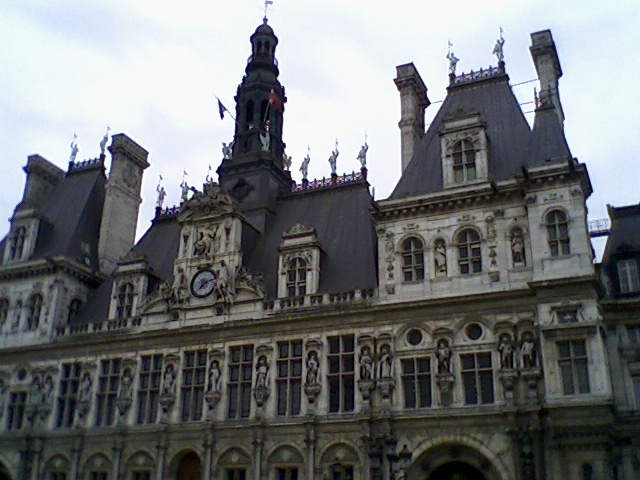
[203, 283]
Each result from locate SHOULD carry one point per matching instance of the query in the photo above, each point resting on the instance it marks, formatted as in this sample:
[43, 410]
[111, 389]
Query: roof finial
[266, 5]
[497, 50]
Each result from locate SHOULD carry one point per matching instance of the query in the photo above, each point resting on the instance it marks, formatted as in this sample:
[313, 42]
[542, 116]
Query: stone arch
[185, 465]
[283, 458]
[98, 462]
[343, 457]
[433, 453]
[56, 463]
[140, 461]
[234, 458]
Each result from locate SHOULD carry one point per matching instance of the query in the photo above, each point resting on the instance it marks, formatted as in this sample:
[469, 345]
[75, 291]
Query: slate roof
[345, 231]
[624, 235]
[511, 143]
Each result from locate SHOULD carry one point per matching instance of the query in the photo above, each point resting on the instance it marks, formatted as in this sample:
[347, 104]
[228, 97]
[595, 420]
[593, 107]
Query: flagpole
[225, 108]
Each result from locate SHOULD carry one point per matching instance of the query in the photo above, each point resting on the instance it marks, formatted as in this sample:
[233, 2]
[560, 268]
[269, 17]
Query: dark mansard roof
[511, 143]
[624, 236]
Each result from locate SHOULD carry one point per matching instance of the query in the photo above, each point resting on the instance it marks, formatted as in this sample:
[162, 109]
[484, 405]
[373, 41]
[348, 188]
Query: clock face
[203, 283]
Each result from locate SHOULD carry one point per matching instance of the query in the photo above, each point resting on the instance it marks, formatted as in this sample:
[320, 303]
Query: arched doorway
[189, 467]
[456, 471]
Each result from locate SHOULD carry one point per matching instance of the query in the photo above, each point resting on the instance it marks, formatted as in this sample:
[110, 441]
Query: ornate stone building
[265, 329]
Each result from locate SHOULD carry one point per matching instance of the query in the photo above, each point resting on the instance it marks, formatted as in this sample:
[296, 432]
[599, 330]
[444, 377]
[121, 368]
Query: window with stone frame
[573, 363]
[15, 410]
[34, 310]
[339, 471]
[74, 308]
[289, 377]
[124, 299]
[628, 278]
[193, 384]
[149, 388]
[416, 382]
[557, 233]
[286, 473]
[477, 378]
[108, 383]
[4, 311]
[412, 252]
[296, 277]
[239, 381]
[235, 474]
[68, 394]
[469, 251]
[16, 245]
[463, 157]
[341, 360]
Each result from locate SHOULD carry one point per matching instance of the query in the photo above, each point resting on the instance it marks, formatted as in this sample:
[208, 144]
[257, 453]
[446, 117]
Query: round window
[474, 331]
[414, 336]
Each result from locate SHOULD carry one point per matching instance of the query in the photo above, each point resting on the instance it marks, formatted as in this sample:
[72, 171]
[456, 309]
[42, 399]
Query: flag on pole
[274, 100]
[221, 108]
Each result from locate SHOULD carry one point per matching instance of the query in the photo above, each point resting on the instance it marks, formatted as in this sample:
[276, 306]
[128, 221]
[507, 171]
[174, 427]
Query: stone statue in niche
[491, 226]
[286, 161]
[443, 355]
[313, 368]
[85, 387]
[35, 394]
[265, 137]
[215, 377]
[169, 384]
[47, 395]
[262, 372]
[225, 285]
[366, 363]
[528, 350]
[202, 245]
[385, 362]
[505, 347]
[517, 247]
[440, 258]
[180, 288]
[126, 385]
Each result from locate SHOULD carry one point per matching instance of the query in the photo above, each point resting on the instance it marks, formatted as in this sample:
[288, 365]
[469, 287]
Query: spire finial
[266, 5]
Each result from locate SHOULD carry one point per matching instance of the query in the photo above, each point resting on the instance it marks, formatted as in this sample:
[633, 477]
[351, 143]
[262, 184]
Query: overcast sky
[150, 69]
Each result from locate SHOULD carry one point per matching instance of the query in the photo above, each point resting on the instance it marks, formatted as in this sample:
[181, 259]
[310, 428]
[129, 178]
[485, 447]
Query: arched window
[464, 161]
[469, 254]
[17, 243]
[125, 301]
[296, 277]
[249, 114]
[34, 308]
[74, 307]
[4, 310]
[627, 276]
[557, 233]
[412, 259]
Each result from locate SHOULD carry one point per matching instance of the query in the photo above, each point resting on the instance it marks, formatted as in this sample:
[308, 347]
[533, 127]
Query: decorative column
[209, 445]
[161, 449]
[258, 447]
[118, 445]
[310, 442]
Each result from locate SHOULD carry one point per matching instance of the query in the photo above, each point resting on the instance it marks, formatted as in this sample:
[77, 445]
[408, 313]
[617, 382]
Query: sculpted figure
[443, 355]
[161, 196]
[169, 380]
[35, 395]
[366, 364]
[506, 351]
[103, 142]
[85, 387]
[313, 367]
[286, 161]
[498, 48]
[385, 363]
[262, 372]
[74, 148]
[333, 159]
[362, 154]
[265, 137]
[47, 396]
[453, 61]
[517, 247]
[304, 168]
[227, 150]
[126, 384]
[215, 377]
[440, 257]
[528, 350]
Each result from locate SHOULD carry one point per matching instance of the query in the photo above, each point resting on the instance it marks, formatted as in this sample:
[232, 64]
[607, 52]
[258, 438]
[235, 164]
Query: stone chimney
[413, 101]
[122, 201]
[545, 57]
[42, 178]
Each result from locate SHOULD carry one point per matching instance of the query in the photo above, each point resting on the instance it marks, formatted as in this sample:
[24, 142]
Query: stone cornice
[50, 265]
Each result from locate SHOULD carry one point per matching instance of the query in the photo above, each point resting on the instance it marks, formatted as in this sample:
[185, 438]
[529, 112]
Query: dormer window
[413, 259]
[124, 307]
[74, 308]
[296, 277]
[16, 247]
[557, 233]
[464, 161]
[628, 275]
[299, 264]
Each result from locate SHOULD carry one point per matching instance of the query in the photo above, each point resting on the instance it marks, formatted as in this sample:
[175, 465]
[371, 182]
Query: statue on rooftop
[333, 159]
[304, 168]
[265, 137]
[453, 60]
[105, 139]
[227, 150]
[497, 50]
[362, 154]
[162, 193]
[286, 161]
[74, 148]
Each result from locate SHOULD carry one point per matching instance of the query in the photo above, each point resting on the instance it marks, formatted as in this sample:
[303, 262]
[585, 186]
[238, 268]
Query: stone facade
[456, 332]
